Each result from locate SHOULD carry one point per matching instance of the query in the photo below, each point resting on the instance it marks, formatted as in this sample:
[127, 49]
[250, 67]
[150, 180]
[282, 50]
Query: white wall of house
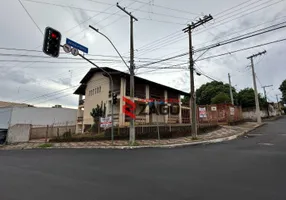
[5, 114]
[93, 96]
[43, 116]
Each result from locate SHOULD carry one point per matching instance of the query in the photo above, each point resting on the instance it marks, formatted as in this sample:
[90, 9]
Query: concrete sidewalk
[225, 133]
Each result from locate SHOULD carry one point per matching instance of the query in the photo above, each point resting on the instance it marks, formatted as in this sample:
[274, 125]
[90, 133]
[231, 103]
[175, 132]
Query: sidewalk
[223, 134]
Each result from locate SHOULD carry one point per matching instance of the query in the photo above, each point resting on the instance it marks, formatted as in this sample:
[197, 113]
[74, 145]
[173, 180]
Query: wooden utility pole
[265, 96]
[255, 86]
[230, 89]
[131, 69]
[192, 82]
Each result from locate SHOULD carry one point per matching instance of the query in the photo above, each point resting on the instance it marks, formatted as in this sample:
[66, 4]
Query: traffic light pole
[111, 88]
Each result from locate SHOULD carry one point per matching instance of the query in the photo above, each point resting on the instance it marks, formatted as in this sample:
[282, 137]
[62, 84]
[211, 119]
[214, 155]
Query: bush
[148, 133]
[67, 134]
[46, 145]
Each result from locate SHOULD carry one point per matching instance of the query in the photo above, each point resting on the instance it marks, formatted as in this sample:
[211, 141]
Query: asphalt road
[248, 168]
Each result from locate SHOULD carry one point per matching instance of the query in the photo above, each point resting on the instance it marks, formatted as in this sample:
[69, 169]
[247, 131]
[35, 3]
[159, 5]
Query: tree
[221, 98]
[282, 88]
[208, 91]
[96, 113]
[246, 98]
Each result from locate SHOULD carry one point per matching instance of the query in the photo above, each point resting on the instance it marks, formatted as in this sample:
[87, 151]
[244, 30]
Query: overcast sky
[45, 81]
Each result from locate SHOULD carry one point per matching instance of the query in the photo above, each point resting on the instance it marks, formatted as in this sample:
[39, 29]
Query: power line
[219, 43]
[223, 21]
[167, 8]
[31, 17]
[243, 49]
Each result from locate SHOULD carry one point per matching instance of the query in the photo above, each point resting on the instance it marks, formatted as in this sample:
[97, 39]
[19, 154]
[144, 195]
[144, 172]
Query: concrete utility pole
[255, 87]
[192, 83]
[230, 90]
[132, 67]
[265, 96]
[278, 102]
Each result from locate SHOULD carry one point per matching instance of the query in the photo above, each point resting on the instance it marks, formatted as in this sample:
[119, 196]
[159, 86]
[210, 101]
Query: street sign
[77, 46]
[74, 52]
[67, 48]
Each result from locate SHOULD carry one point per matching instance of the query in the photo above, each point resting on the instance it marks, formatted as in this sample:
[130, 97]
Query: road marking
[266, 144]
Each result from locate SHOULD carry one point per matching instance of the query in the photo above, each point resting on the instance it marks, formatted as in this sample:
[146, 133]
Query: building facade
[95, 90]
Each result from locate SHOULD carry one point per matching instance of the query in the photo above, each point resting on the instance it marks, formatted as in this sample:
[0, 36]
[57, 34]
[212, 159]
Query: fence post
[47, 132]
[58, 132]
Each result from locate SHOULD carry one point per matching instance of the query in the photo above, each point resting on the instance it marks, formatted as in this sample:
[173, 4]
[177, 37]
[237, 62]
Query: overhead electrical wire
[177, 39]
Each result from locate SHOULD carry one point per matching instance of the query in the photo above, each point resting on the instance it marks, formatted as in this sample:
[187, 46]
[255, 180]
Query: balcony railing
[81, 102]
[115, 91]
[141, 95]
[79, 119]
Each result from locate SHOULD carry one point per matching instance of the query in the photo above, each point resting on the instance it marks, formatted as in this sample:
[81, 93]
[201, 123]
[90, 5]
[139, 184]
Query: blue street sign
[77, 46]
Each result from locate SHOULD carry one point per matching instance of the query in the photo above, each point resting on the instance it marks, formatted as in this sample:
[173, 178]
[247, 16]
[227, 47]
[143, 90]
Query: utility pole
[265, 96]
[255, 87]
[189, 29]
[278, 102]
[131, 69]
[230, 90]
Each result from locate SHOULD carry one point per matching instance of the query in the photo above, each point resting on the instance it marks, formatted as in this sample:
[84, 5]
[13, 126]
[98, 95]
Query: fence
[219, 113]
[214, 114]
[159, 131]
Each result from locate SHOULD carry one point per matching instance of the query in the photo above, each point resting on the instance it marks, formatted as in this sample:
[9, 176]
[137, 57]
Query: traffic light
[52, 42]
[114, 98]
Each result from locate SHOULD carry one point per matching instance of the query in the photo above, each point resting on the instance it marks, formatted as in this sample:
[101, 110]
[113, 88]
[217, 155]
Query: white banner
[105, 122]
[202, 112]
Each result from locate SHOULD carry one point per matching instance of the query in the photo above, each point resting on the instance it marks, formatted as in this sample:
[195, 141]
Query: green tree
[208, 91]
[282, 88]
[221, 98]
[246, 98]
[96, 113]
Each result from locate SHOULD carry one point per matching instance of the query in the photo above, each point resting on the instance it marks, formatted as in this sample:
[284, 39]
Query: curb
[166, 146]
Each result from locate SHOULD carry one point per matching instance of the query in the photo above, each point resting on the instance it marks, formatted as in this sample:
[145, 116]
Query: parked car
[3, 135]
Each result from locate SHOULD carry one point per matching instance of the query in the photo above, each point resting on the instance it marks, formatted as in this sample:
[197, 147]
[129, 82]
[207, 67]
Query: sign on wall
[231, 109]
[202, 112]
[213, 108]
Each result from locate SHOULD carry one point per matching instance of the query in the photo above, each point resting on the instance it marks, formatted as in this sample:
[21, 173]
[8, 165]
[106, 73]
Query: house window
[99, 88]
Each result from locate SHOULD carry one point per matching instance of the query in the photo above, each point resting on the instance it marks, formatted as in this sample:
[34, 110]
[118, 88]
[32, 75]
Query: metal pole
[255, 93]
[111, 85]
[230, 89]
[264, 90]
[111, 44]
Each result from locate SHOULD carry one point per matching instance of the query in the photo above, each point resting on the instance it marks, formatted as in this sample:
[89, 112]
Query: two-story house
[95, 88]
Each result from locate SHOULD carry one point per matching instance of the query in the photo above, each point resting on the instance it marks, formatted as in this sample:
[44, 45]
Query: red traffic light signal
[52, 42]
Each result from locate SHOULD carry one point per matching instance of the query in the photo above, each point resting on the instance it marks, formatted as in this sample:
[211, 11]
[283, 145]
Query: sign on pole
[77, 45]
[67, 48]
[105, 122]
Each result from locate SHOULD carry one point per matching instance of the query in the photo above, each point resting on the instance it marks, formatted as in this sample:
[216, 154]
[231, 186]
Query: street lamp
[97, 30]
[111, 80]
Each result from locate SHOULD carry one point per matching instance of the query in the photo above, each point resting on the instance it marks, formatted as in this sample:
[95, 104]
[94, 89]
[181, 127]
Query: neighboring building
[20, 121]
[95, 88]
[13, 104]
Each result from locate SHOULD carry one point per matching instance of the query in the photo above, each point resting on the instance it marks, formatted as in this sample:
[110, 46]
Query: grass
[46, 145]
